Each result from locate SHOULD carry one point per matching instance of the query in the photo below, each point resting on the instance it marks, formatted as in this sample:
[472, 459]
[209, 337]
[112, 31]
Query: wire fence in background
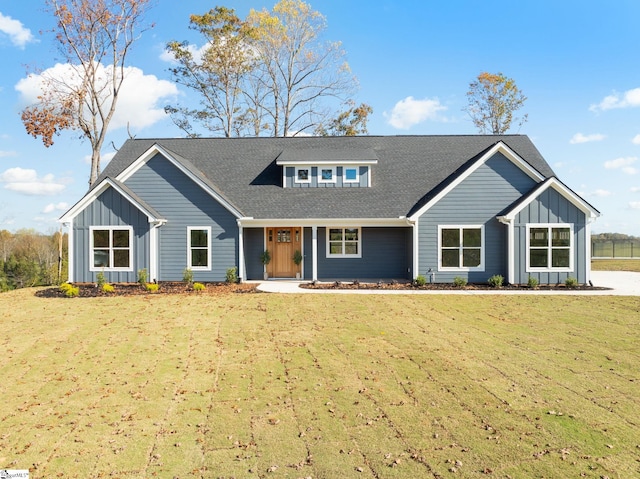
[619, 249]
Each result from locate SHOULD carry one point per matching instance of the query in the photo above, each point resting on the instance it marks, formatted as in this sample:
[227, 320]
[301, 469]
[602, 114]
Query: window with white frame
[303, 175]
[350, 174]
[199, 248]
[461, 248]
[327, 174]
[344, 243]
[111, 248]
[549, 247]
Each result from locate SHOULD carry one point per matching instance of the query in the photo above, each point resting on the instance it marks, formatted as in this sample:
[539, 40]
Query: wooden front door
[282, 243]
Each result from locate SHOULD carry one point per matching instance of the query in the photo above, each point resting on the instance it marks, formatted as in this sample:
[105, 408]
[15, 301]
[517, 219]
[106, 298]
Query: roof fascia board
[157, 149]
[499, 147]
[566, 193]
[93, 194]
[288, 222]
[325, 162]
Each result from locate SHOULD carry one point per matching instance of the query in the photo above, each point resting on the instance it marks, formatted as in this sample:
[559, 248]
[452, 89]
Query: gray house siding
[183, 203]
[253, 247]
[307, 252]
[477, 200]
[551, 207]
[363, 175]
[385, 255]
[110, 209]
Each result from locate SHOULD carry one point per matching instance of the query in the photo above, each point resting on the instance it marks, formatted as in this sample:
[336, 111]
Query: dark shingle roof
[244, 170]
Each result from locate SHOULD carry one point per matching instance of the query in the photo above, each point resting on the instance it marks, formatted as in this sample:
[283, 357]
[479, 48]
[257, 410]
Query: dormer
[327, 168]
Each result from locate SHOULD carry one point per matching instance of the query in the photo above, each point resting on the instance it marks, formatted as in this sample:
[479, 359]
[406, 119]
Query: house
[366, 208]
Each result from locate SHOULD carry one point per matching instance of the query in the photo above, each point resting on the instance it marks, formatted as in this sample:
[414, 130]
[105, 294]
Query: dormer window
[327, 174]
[303, 175]
[350, 174]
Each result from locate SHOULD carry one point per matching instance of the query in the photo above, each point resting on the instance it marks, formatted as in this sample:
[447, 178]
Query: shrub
[199, 287]
[232, 275]
[142, 276]
[459, 282]
[496, 281]
[107, 288]
[421, 280]
[100, 279]
[571, 282]
[533, 282]
[187, 275]
[151, 287]
[64, 287]
[69, 290]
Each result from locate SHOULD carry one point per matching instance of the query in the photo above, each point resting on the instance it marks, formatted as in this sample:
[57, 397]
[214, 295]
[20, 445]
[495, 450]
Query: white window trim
[481, 267]
[343, 255]
[298, 168]
[197, 228]
[344, 174]
[333, 174]
[550, 269]
[111, 229]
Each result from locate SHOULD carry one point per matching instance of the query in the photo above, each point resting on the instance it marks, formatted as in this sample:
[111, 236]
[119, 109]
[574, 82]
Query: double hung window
[549, 247]
[199, 248]
[111, 248]
[344, 243]
[461, 248]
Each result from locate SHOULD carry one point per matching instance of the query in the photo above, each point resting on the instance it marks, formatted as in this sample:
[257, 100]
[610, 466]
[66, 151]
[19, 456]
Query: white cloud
[51, 207]
[620, 163]
[196, 52]
[140, 103]
[628, 99]
[18, 34]
[635, 189]
[105, 158]
[580, 138]
[4, 154]
[409, 112]
[600, 193]
[635, 205]
[28, 182]
[636, 140]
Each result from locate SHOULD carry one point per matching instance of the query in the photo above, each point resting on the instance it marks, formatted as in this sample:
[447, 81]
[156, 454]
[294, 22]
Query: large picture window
[461, 248]
[111, 248]
[344, 243]
[549, 247]
[199, 248]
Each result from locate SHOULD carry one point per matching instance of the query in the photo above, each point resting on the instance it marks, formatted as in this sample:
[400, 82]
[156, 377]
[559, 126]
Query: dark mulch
[90, 290]
[445, 286]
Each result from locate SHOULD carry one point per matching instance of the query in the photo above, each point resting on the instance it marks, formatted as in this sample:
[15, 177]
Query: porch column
[314, 253]
[241, 265]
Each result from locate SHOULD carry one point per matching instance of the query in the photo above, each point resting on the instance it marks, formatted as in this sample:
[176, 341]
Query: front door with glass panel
[283, 243]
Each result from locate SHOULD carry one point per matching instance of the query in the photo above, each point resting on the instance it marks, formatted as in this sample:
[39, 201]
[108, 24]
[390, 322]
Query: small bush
[199, 287]
[100, 279]
[187, 275]
[151, 287]
[459, 282]
[142, 276]
[69, 290]
[533, 282]
[571, 282]
[421, 280]
[107, 288]
[496, 281]
[232, 275]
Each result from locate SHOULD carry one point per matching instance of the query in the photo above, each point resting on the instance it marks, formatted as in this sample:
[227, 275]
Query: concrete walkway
[621, 283]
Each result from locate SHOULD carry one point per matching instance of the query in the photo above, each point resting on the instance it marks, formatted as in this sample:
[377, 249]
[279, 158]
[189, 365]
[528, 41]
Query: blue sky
[576, 61]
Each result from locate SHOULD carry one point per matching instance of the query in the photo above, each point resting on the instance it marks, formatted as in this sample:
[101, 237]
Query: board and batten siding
[363, 176]
[110, 209]
[477, 200]
[551, 207]
[183, 203]
[386, 254]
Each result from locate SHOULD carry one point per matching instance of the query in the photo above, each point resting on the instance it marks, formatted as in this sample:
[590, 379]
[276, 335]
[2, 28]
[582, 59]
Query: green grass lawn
[615, 265]
[320, 386]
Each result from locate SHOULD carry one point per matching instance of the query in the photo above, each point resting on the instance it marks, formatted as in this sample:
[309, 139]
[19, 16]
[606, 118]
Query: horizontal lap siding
[551, 207]
[385, 255]
[110, 209]
[253, 247]
[183, 203]
[477, 200]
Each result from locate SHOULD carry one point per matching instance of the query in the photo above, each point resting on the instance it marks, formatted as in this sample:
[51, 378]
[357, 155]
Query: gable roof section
[472, 165]
[183, 165]
[558, 186]
[122, 189]
[245, 171]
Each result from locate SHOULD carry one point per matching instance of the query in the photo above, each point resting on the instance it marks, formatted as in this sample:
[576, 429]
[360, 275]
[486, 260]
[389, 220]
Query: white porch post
[416, 263]
[70, 251]
[241, 264]
[314, 253]
[511, 260]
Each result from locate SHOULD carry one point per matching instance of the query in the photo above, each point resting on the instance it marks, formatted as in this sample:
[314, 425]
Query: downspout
[314, 253]
[154, 257]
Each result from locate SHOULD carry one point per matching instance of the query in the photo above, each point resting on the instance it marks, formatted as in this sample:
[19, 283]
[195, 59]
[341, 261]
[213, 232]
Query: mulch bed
[445, 286]
[90, 290]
